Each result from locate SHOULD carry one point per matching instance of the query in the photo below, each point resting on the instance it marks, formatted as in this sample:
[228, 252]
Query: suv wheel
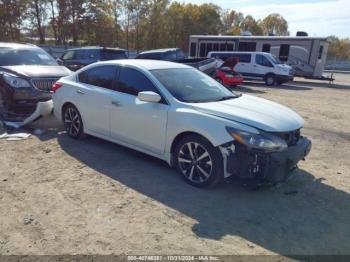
[73, 122]
[270, 80]
[198, 161]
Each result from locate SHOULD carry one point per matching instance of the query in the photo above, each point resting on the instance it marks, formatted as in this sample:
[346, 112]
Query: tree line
[131, 24]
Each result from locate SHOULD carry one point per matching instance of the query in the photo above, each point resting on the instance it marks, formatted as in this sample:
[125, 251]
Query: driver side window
[263, 61]
[132, 82]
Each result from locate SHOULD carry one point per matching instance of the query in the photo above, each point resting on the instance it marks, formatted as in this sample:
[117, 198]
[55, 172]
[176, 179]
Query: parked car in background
[181, 115]
[226, 74]
[77, 58]
[205, 65]
[27, 74]
[258, 66]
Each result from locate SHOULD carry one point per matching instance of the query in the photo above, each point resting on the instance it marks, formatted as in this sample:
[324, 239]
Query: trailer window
[284, 52]
[202, 50]
[222, 47]
[193, 49]
[209, 47]
[229, 47]
[247, 46]
[216, 47]
[320, 52]
[266, 48]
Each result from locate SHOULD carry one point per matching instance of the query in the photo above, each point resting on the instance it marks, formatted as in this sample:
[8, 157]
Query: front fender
[211, 127]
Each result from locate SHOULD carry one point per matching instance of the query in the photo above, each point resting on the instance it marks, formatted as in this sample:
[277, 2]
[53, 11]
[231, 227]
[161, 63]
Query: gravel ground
[61, 196]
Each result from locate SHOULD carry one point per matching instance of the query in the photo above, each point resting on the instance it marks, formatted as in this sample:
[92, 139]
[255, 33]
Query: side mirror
[59, 61]
[149, 96]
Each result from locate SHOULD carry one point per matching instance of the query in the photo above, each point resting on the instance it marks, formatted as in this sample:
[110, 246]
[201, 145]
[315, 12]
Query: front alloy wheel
[72, 122]
[198, 161]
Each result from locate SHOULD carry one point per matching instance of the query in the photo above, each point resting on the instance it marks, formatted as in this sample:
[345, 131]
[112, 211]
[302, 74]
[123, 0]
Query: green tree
[249, 24]
[231, 21]
[274, 24]
[339, 49]
[11, 19]
[37, 16]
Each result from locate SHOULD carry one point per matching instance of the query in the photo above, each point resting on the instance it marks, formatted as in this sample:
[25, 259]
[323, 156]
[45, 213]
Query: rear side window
[170, 56]
[132, 82]
[108, 54]
[92, 54]
[244, 58]
[155, 56]
[102, 76]
[263, 61]
[80, 54]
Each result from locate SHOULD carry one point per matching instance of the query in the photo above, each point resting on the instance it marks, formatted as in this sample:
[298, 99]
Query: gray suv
[77, 58]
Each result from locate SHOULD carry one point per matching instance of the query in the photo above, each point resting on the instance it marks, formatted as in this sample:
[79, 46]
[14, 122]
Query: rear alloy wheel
[73, 122]
[270, 80]
[199, 163]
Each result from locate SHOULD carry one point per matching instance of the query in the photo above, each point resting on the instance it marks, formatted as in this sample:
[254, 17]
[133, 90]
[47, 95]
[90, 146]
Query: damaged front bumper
[261, 167]
[42, 109]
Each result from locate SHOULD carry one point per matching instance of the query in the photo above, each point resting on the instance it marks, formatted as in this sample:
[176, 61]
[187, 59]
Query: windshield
[192, 86]
[32, 56]
[275, 60]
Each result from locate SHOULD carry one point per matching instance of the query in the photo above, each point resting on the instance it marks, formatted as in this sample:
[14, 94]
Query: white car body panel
[152, 127]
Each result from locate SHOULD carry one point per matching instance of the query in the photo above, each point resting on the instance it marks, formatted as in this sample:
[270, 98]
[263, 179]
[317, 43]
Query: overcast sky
[317, 17]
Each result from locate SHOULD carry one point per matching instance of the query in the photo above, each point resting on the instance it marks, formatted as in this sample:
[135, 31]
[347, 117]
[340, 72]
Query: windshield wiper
[227, 97]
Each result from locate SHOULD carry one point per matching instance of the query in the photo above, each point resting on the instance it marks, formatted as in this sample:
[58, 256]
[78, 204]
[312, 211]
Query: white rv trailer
[307, 55]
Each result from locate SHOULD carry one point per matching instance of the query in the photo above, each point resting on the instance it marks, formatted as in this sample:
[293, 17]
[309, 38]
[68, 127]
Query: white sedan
[178, 114]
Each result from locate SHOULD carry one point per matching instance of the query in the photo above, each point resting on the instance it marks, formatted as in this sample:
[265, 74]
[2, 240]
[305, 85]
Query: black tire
[3, 104]
[199, 163]
[73, 122]
[270, 80]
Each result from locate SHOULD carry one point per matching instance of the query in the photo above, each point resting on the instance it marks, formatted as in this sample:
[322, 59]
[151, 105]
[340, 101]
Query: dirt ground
[61, 196]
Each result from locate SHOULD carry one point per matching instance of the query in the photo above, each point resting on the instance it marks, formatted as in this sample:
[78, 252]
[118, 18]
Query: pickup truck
[206, 65]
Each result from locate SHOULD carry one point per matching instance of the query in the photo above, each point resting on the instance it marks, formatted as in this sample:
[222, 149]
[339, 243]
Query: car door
[262, 66]
[94, 91]
[135, 122]
[244, 66]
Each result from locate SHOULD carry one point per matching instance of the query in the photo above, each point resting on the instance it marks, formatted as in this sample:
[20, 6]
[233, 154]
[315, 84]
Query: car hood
[254, 111]
[33, 71]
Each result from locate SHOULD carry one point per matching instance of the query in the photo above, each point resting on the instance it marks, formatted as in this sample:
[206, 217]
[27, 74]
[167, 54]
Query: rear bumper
[233, 81]
[266, 168]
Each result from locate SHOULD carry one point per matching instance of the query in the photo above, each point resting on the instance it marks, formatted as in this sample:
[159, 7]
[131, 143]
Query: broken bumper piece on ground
[43, 109]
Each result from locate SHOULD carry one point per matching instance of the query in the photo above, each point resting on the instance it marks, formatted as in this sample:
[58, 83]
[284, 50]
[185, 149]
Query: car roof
[145, 64]
[163, 50]
[17, 45]
[236, 52]
[95, 48]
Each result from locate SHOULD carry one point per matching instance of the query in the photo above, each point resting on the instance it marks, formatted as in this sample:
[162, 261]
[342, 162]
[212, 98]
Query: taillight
[55, 87]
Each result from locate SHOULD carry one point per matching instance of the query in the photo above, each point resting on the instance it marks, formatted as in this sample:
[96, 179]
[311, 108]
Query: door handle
[80, 92]
[116, 103]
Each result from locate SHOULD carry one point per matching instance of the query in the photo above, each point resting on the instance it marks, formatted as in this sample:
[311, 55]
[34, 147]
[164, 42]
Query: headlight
[15, 81]
[263, 140]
